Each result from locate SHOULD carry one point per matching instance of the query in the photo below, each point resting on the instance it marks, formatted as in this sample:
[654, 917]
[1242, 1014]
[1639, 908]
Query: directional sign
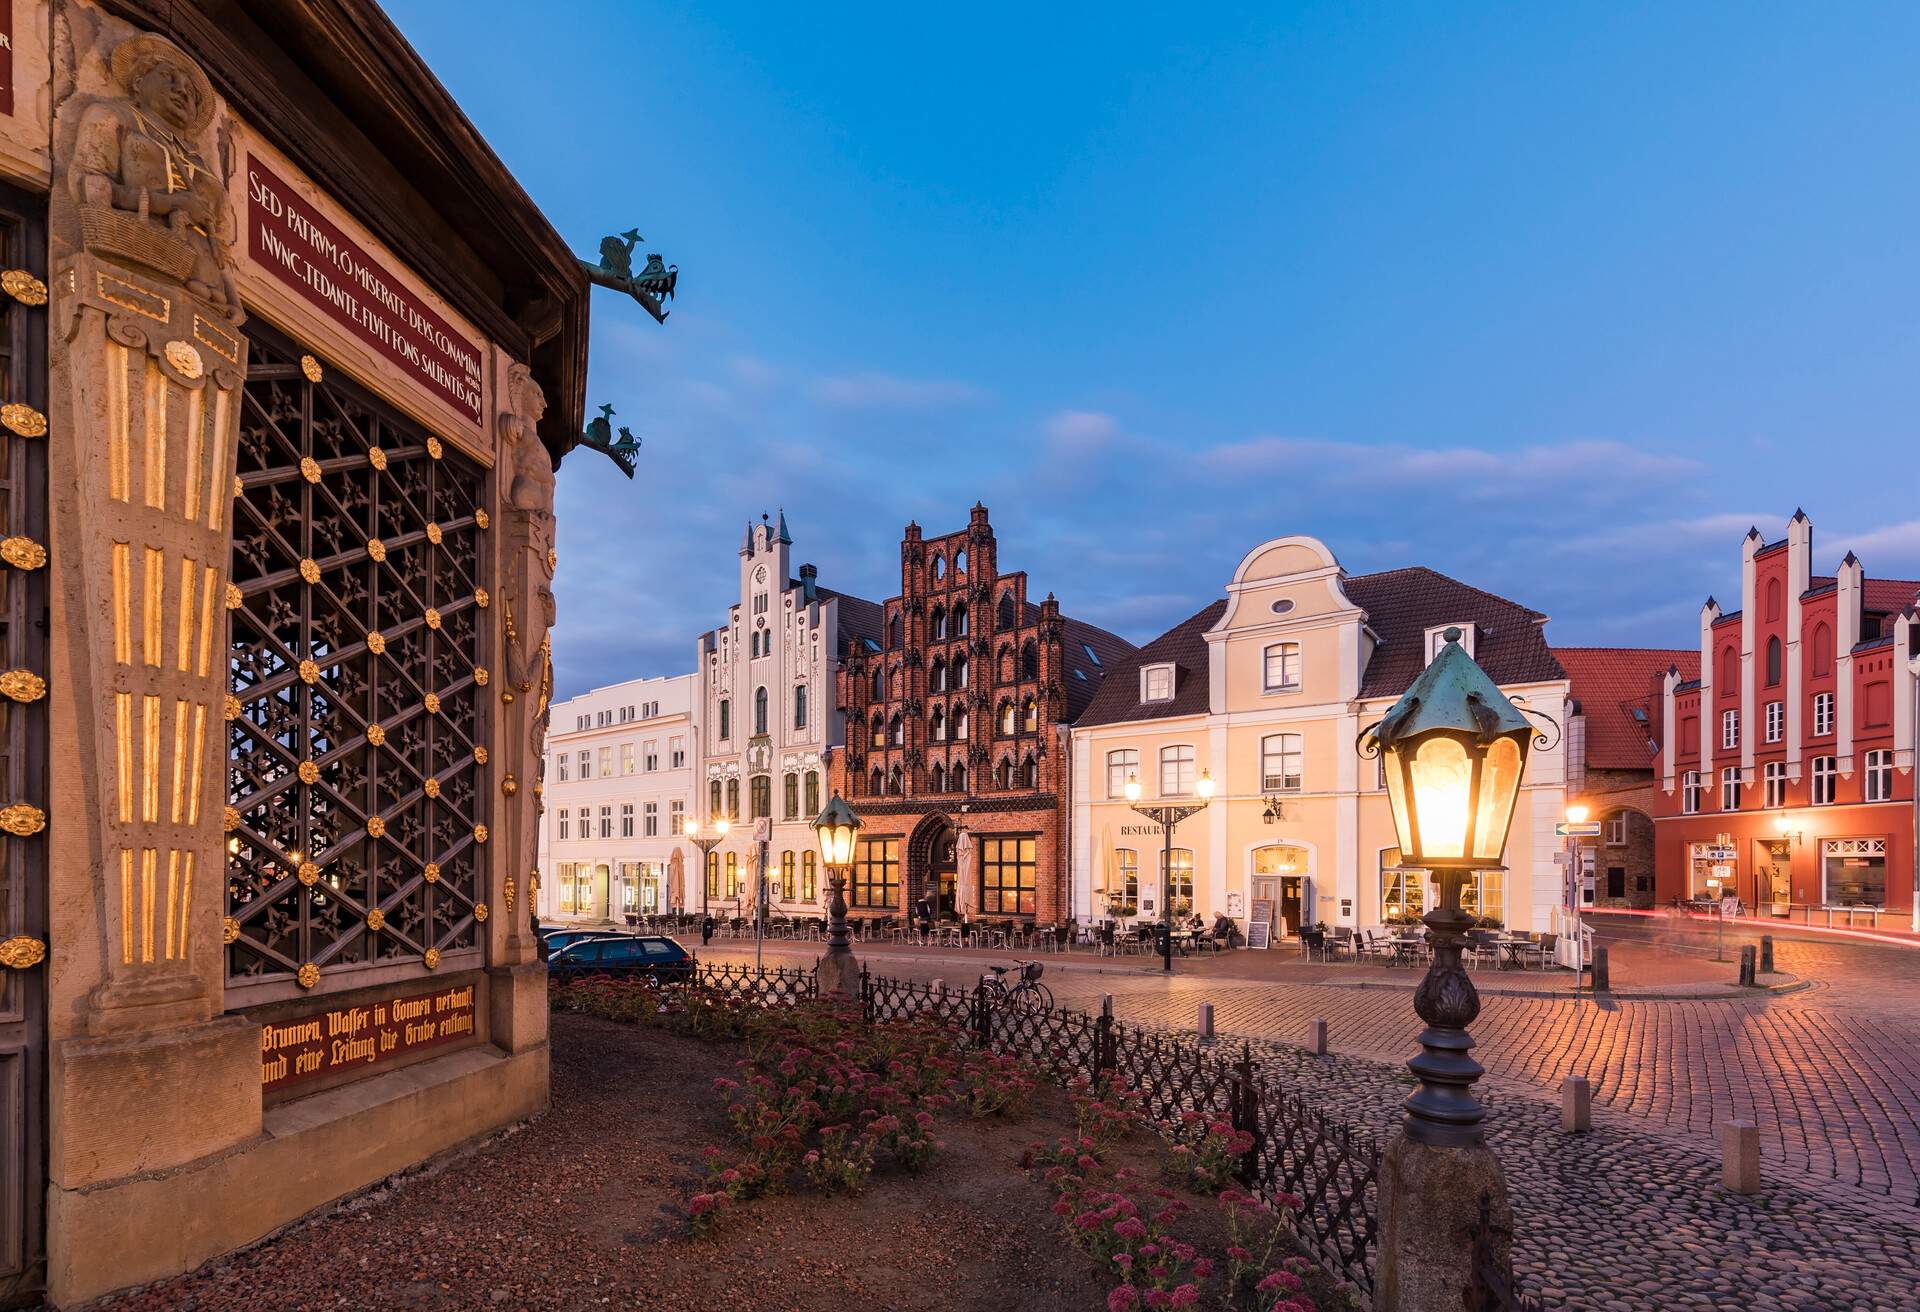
[1567, 829]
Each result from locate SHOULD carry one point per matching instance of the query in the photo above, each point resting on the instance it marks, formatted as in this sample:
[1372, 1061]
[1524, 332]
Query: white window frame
[1151, 676]
[1185, 764]
[1690, 793]
[1878, 785]
[1729, 729]
[1437, 638]
[1730, 782]
[1822, 714]
[1123, 763]
[1824, 771]
[1277, 752]
[585, 762]
[1287, 654]
[566, 824]
[560, 760]
[1616, 834]
[1776, 721]
[1773, 781]
[626, 758]
[650, 820]
[626, 819]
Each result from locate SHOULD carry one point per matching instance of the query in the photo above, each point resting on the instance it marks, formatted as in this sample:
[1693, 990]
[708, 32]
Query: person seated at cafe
[1224, 929]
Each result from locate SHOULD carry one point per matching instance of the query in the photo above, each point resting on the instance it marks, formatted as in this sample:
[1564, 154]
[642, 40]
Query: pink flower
[1123, 1260]
[1159, 1298]
[1238, 1253]
[1277, 1280]
[1185, 1296]
[1203, 1268]
[1130, 1228]
[1124, 1298]
[700, 1204]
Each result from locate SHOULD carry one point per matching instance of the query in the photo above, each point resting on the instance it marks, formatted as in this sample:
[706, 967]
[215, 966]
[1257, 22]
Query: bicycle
[1028, 992]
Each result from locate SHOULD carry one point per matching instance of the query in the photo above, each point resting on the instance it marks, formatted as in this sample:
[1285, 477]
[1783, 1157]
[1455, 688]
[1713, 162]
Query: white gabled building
[621, 765]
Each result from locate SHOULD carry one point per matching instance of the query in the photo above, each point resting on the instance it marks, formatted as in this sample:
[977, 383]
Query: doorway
[1773, 875]
[1282, 889]
[1293, 902]
[602, 893]
[946, 871]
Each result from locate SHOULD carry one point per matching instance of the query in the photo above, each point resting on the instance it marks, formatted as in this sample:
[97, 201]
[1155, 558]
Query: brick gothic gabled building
[955, 719]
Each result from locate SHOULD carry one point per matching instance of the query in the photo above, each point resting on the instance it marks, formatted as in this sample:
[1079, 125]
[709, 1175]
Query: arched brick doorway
[931, 867]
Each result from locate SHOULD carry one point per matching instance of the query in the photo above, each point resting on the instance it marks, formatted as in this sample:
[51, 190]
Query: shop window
[788, 870]
[1855, 871]
[876, 873]
[1123, 892]
[1179, 877]
[1008, 876]
[1403, 893]
[809, 880]
[1485, 896]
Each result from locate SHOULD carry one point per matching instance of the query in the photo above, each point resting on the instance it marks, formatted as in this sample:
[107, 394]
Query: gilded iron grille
[357, 735]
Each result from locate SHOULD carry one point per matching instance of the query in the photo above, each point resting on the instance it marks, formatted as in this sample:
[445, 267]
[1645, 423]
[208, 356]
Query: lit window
[1121, 766]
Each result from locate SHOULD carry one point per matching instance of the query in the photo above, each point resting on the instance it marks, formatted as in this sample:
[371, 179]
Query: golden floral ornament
[482, 598]
[432, 960]
[376, 457]
[533, 880]
[508, 891]
[308, 873]
[310, 469]
[309, 672]
[480, 912]
[309, 773]
[431, 787]
[431, 872]
[376, 549]
[483, 519]
[185, 357]
[480, 675]
[377, 642]
[239, 488]
[229, 930]
[23, 420]
[480, 756]
[509, 785]
[432, 702]
[22, 819]
[376, 827]
[22, 951]
[479, 833]
[434, 448]
[310, 571]
[433, 618]
[376, 735]
[234, 598]
[23, 287]
[311, 368]
[232, 707]
[376, 920]
[22, 686]
[309, 975]
[22, 553]
[434, 535]
[230, 818]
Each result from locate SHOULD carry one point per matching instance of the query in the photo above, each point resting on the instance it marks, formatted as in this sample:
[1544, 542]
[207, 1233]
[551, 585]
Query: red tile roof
[1888, 595]
[1610, 683]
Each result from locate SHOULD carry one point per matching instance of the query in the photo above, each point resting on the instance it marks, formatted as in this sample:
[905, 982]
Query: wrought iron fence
[775, 986]
[1491, 1284]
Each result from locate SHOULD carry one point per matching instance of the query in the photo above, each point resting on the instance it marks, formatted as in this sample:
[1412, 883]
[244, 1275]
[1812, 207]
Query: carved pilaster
[527, 617]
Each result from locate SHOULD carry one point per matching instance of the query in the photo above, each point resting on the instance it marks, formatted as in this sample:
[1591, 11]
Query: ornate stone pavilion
[288, 363]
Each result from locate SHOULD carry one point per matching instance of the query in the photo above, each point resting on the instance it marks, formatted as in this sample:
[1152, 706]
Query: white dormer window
[1156, 683]
[1437, 638]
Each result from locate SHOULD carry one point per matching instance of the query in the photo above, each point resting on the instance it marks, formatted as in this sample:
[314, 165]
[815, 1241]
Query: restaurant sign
[370, 1034]
[290, 238]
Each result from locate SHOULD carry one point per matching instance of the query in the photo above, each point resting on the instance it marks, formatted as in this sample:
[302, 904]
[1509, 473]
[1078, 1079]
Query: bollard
[1602, 977]
[1106, 1005]
[1576, 1104]
[1766, 954]
[938, 986]
[1206, 1022]
[1746, 966]
[1740, 1157]
[1317, 1037]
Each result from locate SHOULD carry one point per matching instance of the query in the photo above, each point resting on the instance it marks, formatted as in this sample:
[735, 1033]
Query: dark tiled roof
[1610, 683]
[1185, 644]
[1402, 604]
[859, 618]
[1086, 675]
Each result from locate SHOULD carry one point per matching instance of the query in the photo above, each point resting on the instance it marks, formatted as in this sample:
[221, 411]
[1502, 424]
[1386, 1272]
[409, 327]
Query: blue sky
[1556, 299]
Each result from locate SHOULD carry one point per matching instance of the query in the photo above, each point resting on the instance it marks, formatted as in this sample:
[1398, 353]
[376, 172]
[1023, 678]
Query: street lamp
[1167, 817]
[1454, 749]
[837, 827]
[714, 835]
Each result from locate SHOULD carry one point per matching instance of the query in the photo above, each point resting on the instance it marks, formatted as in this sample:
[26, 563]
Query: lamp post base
[837, 974]
[1429, 1203]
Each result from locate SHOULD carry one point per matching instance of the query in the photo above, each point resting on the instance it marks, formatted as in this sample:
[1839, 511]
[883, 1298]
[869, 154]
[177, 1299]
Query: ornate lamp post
[837, 827]
[1455, 748]
[714, 833]
[1167, 817]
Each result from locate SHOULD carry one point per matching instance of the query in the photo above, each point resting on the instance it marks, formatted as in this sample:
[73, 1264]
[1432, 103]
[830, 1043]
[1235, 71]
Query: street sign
[1721, 853]
[1586, 829]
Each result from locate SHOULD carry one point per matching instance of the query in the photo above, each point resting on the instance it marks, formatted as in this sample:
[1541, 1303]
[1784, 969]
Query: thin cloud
[877, 391]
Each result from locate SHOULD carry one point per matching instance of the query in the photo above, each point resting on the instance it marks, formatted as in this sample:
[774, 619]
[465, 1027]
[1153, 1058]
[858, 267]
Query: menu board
[1259, 933]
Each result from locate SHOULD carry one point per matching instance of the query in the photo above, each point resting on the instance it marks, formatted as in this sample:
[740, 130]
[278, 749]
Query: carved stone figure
[529, 605]
[140, 177]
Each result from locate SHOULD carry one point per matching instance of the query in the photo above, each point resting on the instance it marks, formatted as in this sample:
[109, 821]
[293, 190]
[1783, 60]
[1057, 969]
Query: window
[1005, 612]
[879, 731]
[787, 870]
[1822, 651]
[1030, 716]
[960, 667]
[800, 706]
[813, 794]
[726, 719]
[1007, 720]
[585, 761]
[1690, 793]
[1730, 729]
[1773, 662]
[733, 799]
[937, 680]
[937, 725]
[563, 822]
[606, 821]
[1775, 784]
[957, 779]
[1281, 672]
[606, 762]
[1730, 788]
[1029, 660]
[1879, 781]
[959, 617]
[713, 800]
[733, 875]
[897, 730]
[1729, 670]
[938, 621]
[1485, 895]
[937, 778]
[1855, 870]
[1617, 829]
[1776, 593]
[960, 561]
[1776, 721]
[1121, 766]
[809, 881]
[626, 758]
[1822, 714]
[677, 753]
[1007, 876]
[1826, 773]
[1156, 683]
[1123, 899]
[650, 820]
[1280, 763]
[759, 710]
[652, 757]
[560, 760]
[1403, 893]
[626, 819]
[676, 817]
[876, 872]
[939, 567]
[713, 874]
[960, 723]
[1176, 770]
[790, 795]
[1179, 874]
[760, 790]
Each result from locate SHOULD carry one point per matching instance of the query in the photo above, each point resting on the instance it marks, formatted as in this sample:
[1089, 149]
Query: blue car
[552, 940]
[622, 956]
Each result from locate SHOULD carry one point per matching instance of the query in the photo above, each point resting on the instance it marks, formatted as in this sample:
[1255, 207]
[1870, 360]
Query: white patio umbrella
[676, 881]
[966, 879]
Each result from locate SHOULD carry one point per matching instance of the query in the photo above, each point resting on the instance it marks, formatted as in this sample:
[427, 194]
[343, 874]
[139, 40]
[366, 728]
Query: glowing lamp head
[691, 827]
[1783, 824]
[1577, 814]
[837, 826]
[1132, 789]
[1455, 748]
[1204, 786]
[721, 826]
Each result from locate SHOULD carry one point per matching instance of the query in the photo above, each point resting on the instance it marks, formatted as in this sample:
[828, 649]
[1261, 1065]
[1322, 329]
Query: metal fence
[1492, 1286]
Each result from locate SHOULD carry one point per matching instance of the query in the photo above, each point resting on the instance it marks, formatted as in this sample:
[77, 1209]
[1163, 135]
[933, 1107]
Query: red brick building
[955, 757]
[1787, 776]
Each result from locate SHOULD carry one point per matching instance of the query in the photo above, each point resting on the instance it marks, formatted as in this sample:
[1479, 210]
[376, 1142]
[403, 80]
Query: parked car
[555, 939]
[622, 956]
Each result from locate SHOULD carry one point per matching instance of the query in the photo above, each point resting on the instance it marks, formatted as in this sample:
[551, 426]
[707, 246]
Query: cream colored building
[1267, 691]
[619, 785]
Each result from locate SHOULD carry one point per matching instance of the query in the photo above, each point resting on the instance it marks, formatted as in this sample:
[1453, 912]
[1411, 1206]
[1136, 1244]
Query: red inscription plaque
[293, 241]
[367, 1035]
